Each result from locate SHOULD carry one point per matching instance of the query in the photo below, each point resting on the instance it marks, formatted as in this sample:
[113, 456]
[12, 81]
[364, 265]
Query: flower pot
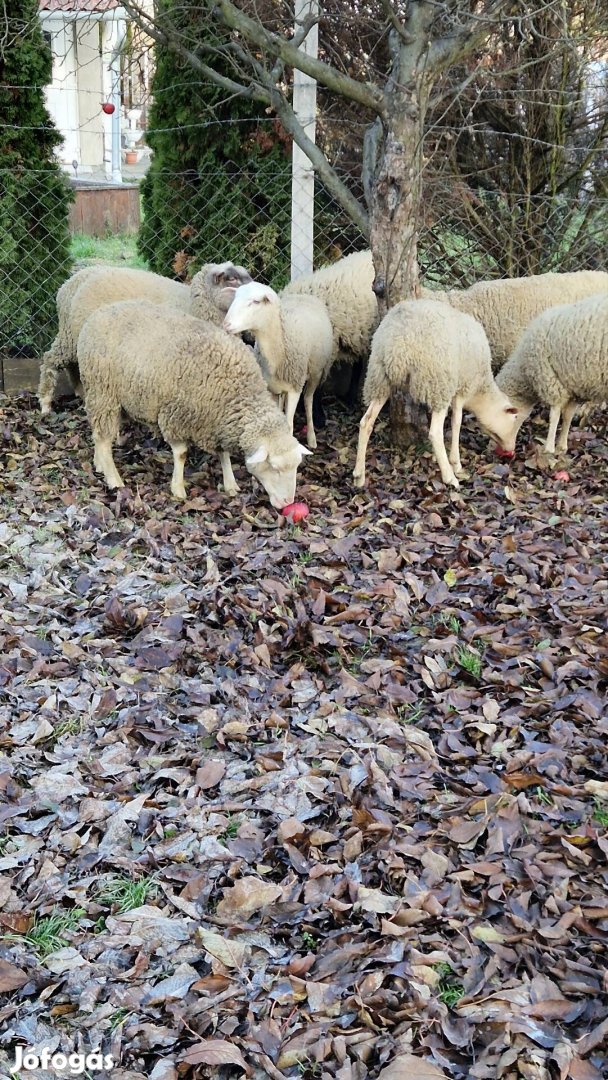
[131, 157]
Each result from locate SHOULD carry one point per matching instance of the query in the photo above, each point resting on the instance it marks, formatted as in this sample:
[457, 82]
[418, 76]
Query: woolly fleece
[562, 359]
[182, 375]
[85, 292]
[506, 307]
[346, 289]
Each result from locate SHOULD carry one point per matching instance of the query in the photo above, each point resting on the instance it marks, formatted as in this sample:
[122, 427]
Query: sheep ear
[258, 457]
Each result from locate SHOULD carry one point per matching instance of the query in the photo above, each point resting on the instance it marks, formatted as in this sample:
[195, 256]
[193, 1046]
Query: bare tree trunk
[394, 201]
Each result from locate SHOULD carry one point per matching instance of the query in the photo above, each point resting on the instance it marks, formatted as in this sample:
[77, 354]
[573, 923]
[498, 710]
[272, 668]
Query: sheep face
[497, 417]
[275, 465]
[250, 308]
[222, 280]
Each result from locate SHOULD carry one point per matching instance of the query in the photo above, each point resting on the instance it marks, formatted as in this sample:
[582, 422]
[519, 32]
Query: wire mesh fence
[464, 237]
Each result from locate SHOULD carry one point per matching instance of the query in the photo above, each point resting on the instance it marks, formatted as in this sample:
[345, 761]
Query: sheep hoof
[359, 480]
[45, 408]
[178, 492]
[453, 482]
[232, 490]
[312, 442]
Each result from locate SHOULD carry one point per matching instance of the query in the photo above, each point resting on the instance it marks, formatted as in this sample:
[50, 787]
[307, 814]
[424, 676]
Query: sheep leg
[366, 426]
[455, 446]
[230, 485]
[311, 437]
[104, 462]
[180, 449]
[436, 436]
[73, 375]
[290, 408]
[51, 365]
[554, 415]
[567, 418]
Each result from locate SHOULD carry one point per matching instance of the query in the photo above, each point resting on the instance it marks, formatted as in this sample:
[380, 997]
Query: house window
[48, 37]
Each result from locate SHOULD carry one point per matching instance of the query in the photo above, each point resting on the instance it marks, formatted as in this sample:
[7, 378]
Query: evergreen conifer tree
[34, 194]
[219, 185]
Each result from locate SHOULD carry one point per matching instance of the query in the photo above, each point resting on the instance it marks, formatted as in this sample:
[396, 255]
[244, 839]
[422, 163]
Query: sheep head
[221, 280]
[251, 308]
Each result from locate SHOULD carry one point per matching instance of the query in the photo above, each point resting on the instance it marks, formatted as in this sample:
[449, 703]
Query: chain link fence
[464, 237]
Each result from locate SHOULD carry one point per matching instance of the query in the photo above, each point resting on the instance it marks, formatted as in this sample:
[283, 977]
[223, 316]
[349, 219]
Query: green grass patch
[117, 250]
[449, 990]
[600, 813]
[470, 661]
[124, 894]
[47, 934]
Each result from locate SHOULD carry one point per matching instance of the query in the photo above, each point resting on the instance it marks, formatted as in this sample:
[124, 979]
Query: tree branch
[448, 50]
[366, 94]
[172, 40]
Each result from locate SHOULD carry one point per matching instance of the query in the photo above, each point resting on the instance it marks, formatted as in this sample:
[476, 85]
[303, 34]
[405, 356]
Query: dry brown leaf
[247, 895]
[215, 1052]
[229, 951]
[210, 774]
[11, 977]
[410, 1067]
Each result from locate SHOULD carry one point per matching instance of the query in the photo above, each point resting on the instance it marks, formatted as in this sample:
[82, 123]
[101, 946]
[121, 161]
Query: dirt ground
[327, 801]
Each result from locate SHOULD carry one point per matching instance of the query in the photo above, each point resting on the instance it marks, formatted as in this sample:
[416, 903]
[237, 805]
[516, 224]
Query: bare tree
[406, 45]
[517, 170]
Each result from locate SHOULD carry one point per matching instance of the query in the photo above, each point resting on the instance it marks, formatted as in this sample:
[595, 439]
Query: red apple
[504, 453]
[295, 512]
[108, 107]
[561, 474]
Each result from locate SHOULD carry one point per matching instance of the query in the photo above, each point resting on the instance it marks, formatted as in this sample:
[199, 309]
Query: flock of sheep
[170, 355]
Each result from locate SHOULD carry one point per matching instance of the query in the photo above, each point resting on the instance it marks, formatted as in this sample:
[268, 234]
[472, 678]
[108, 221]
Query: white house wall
[62, 94]
[89, 35]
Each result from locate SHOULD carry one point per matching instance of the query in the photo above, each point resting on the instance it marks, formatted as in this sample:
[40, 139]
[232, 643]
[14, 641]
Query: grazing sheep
[442, 358]
[294, 343]
[506, 307]
[561, 361]
[212, 290]
[193, 382]
[87, 290]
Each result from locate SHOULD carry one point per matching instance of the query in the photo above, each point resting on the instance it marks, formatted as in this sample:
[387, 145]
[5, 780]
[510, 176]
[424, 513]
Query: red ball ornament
[108, 108]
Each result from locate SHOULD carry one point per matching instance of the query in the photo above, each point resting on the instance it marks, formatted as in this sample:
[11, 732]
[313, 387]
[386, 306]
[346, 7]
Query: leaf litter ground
[328, 801]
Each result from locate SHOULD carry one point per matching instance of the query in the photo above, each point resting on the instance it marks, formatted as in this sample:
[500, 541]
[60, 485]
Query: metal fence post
[303, 176]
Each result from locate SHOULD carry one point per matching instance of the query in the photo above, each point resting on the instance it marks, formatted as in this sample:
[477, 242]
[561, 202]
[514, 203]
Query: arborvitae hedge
[34, 193]
[219, 186]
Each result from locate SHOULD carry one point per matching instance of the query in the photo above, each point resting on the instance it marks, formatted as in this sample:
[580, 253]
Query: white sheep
[294, 343]
[505, 307]
[213, 288]
[209, 297]
[442, 358]
[561, 361]
[82, 294]
[192, 381]
[345, 288]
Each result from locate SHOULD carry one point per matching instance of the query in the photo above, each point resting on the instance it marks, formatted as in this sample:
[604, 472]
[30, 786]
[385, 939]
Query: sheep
[213, 288]
[442, 358]
[346, 289]
[294, 343]
[87, 290]
[561, 361]
[194, 383]
[506, 307]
